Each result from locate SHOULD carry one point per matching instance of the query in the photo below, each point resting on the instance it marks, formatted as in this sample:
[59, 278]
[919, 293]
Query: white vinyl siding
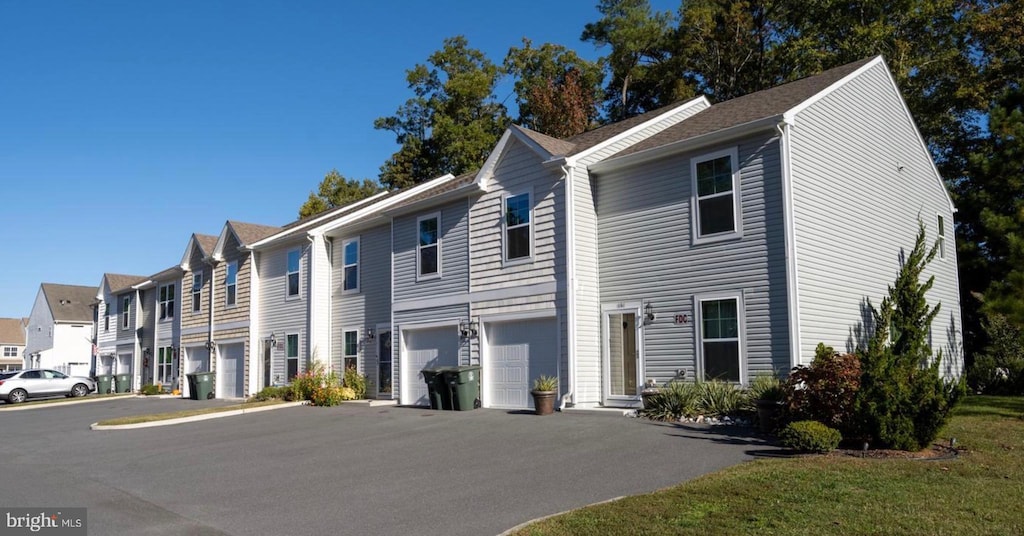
[231, 284]
[294, 257]
[350, 266]
[197, 292]
[517, 227]
[166, 301]
[715, 188]
[428, 247]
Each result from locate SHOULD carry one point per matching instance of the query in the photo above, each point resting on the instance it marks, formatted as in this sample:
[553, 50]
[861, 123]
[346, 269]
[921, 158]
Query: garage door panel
[424, 348]
[231, 375]
[518, 352]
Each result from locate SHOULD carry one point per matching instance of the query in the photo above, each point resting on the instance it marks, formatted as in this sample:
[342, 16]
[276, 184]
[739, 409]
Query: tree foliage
[451, 123]
[335, 191]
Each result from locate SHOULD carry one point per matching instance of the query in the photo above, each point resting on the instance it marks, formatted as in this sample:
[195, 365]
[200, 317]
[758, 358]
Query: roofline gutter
[461, 191]
[766, 123]
[284, 234]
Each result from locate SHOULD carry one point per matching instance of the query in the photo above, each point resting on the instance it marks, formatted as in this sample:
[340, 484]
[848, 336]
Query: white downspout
[570, 273]
[792, 302]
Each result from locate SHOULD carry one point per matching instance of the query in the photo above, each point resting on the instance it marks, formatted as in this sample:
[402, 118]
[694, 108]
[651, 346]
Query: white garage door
[517, 353]
[231, 370]
[435, 347]
[197, 359]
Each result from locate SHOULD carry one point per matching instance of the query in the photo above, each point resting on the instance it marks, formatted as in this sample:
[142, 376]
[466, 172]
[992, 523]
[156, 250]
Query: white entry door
[517, 353]
[623, 360]
[231, 371]
[432, 347]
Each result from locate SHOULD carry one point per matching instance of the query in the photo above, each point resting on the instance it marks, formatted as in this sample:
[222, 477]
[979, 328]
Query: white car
[21, 385]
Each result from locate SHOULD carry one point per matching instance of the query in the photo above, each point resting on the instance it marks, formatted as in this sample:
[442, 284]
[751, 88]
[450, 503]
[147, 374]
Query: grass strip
[135, 419]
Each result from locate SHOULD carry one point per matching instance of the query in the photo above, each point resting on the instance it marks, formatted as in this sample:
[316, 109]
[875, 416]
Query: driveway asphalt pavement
[352, 469]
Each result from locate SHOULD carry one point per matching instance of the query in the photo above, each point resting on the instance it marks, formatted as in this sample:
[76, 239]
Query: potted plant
[768, 396]
[545, 389]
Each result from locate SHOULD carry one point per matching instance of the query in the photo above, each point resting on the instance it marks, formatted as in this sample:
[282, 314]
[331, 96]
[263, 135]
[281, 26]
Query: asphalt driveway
[344, 470]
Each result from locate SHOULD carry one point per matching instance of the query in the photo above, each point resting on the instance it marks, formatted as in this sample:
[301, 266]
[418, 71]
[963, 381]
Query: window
[293, 272]
[350, 265]
[716, 205]
[383, 361]
[126, 304]
[106, 322]
[428, 249]
[164, 369]
[167, 301]
[231, 284]
[351, 357]
[942, 237]
[720, 339]
[517, 230]
[292, 355]
[197, 292]
[10, 351]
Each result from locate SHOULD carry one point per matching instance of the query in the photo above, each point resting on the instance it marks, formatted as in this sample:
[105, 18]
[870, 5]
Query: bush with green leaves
[356, 382]
[903, 399]
[682, 399]
[766, 387]
[151, 389]
[273, 392]
[719, 399]
[1000, 369]
[825, 390]
[810, 436]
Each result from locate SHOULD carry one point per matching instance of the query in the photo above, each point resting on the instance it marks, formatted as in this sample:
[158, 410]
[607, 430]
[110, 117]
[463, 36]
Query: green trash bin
[103, 384]
[464, 386]
[123, 383]
[437, 388]
[200, 385]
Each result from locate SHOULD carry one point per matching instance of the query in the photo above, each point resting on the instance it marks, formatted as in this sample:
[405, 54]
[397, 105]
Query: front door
[266, 363]
[623, 367]
[384, 363]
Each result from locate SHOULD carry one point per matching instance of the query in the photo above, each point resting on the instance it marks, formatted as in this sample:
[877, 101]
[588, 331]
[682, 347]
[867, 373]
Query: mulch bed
[936, 452]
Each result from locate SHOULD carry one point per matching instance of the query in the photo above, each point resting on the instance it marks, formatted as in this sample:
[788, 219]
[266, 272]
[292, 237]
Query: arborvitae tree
[903, 400]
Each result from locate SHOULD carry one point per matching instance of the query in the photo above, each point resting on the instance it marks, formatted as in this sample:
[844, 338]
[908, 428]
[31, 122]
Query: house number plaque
[681, 319]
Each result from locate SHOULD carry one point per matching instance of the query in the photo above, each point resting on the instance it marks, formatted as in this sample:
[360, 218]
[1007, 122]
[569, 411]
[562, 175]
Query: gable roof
[118, 282]
[247, 233]
[448, 184]
[12, 331]
[585, 140]
[554, 146]
[760, 105]
[206, 242]
[301, 226]
[69, 303]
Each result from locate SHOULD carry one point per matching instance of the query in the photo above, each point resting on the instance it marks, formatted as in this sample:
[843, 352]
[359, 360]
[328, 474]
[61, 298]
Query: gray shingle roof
[582, 142]
[69, 303]
[12, 331]
[206, 242]
[554, 146]
[453, 184]
[248, 233]
[328, 215]
[748, 108]
[118, 282]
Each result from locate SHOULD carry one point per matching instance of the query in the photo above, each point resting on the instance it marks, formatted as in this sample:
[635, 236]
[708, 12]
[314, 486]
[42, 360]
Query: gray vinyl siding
[370, 306]
[278, 312]
[106, 339]
[127, 334]
[408, 320]
[454, 260]
[861, 180]
[646, 255]
[39, 334]
[588, 299]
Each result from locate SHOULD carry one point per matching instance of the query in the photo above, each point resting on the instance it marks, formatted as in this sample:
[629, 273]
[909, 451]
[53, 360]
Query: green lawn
[135, 419]
[979, 493]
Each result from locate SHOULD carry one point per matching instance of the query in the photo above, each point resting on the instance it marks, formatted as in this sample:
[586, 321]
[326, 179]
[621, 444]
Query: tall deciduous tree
[335, 191]
[451, 123]
[556, 90]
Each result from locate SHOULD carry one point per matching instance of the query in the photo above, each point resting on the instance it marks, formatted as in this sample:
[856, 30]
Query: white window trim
[161, 304]
[164, 351]
[126, 304]
[606, 350]
[420, 276]
[380, 330]
[358, 265]
[227, 270]
[298, 352]
[344, 355]
[741, 329]
[737, 214]
[505, 261]
[288, 274]
[940, 232]
[197, 297]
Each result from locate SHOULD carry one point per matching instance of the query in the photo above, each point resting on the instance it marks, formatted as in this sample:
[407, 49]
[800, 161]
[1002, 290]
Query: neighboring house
[196, 300]
[12, 343]
[232, 332]
[59, 331]
[117, 316]
[160, 329]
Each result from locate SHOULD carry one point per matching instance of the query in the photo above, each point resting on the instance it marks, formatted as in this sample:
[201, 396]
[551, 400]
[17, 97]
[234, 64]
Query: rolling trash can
[437, 388]
[200, 385]
[104, 383]
[464, 385]
[123, 383]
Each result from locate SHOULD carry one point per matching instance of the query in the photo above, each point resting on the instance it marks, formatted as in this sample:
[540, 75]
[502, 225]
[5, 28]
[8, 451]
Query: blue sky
[127, 126]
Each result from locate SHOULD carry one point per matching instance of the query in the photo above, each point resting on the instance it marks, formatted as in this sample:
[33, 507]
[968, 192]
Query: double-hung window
[517, 227]
[428, 248]
[10, 351]
[942, 236]
[292, 355]
[720, 338]
[293, 273]
[164, 371]
[106, 317]
[351, 349]
[126, 307]
[716, 199]
[350, 265]
[166, 301]
[231, 283]
[198, 292]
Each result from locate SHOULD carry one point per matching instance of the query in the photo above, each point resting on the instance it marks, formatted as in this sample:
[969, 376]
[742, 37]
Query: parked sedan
[21, 385]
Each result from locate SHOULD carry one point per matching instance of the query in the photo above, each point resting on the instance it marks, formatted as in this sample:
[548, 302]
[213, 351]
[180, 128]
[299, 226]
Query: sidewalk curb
[195, 418]
[525, 524]
[58, 403]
